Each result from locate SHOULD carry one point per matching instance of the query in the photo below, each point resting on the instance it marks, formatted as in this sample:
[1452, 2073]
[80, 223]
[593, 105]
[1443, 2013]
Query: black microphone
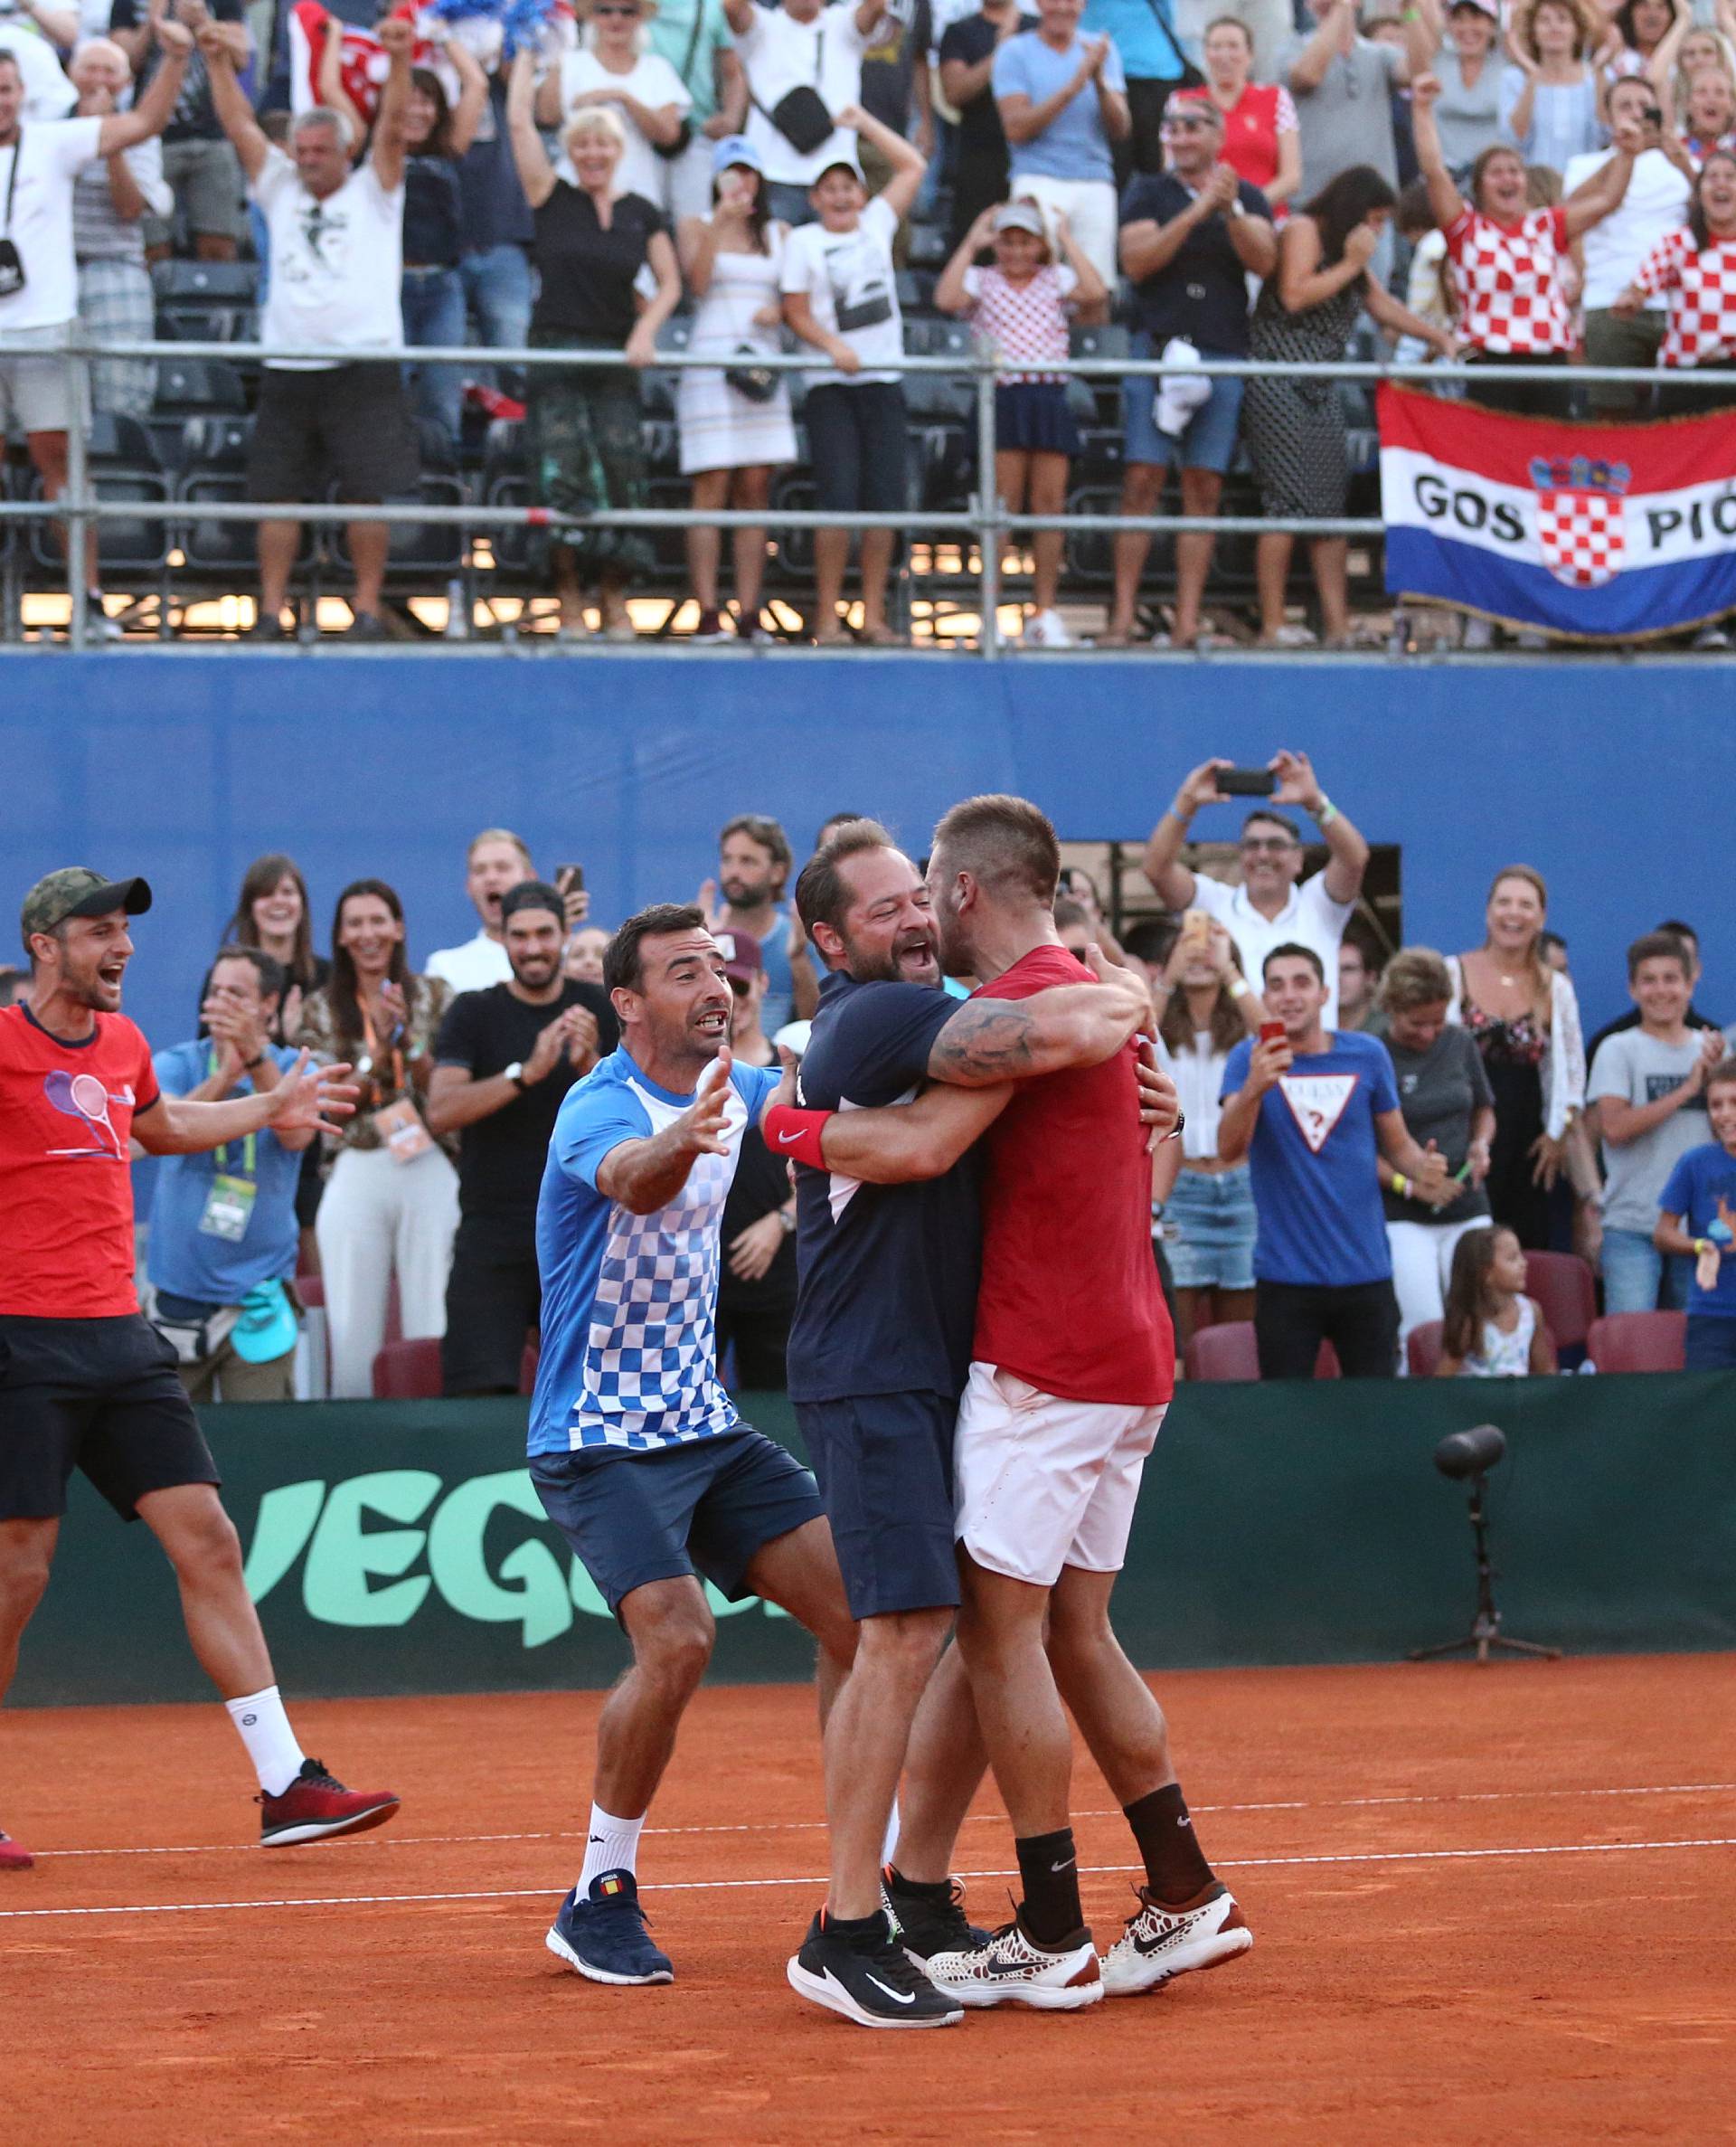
[1469, 1453]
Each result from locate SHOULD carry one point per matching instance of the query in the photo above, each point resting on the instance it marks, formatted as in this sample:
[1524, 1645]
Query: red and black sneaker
[316, 1804]
[13, 1855]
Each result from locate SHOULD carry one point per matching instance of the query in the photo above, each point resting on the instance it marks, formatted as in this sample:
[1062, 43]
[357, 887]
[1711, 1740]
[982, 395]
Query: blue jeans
[497, 289]
[789, 203]
[1635, 1273]
[434, 314]
[1712, 1345]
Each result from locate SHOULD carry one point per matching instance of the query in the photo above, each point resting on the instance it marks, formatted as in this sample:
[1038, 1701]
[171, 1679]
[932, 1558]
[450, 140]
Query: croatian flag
[1590, 532]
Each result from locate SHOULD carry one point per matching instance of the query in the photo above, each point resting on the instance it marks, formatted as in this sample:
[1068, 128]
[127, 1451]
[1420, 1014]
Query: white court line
[733, 1886]
[814, 1826]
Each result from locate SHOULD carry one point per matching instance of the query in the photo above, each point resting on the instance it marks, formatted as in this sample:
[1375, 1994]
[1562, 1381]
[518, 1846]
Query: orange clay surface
[1488, 1904]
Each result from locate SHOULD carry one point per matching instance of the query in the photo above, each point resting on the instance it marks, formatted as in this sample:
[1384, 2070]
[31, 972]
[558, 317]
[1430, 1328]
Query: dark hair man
[85, 1382]
[1274, 904]
[1689, 941]
[756, 1287]
[753, 866]
[223, 1237]
[1359, 982]
[503, 1060]
[879, 1354]
[1310, 1109]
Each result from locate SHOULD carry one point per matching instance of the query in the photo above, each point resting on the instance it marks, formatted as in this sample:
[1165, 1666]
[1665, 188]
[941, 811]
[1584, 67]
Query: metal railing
[985, 519]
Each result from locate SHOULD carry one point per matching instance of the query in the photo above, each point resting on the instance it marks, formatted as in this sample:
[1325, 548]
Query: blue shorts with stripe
[884, 1466]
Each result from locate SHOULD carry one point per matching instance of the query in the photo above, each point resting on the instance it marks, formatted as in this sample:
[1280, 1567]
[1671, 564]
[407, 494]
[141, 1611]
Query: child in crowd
[1492, 1330]
[1020, 308]
[1697, 1217]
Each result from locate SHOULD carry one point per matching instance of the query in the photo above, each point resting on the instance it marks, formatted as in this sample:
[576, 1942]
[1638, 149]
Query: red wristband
[788, 1132]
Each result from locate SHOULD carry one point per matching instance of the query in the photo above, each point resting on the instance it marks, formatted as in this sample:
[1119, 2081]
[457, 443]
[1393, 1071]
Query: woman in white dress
[735, 422]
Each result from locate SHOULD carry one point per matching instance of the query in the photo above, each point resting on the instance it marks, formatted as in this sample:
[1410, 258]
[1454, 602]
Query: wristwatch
[515, 1075]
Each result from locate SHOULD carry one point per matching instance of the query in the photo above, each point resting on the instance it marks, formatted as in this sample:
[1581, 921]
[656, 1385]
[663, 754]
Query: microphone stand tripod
[1485, 1631]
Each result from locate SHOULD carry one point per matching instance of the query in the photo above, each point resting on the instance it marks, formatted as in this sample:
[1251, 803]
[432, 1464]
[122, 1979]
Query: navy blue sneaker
[604, 1935]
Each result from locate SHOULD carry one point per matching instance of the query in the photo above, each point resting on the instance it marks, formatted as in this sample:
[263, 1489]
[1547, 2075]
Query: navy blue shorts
[705, 1508]
[884, 1465]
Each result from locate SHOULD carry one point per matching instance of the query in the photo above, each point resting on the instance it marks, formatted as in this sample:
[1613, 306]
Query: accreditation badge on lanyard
[402, 1132]
[229, 1203]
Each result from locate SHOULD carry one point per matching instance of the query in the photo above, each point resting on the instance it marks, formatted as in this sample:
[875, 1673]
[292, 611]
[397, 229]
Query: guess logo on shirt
[1316, 1102]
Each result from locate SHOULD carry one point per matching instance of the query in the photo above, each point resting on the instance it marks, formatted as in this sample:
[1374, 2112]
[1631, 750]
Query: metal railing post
[77, 494]
[988, 507]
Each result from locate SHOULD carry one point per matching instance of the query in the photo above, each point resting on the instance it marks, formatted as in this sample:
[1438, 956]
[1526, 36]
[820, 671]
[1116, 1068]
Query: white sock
[888, 1846]
[271, 1742]
[612, 1845]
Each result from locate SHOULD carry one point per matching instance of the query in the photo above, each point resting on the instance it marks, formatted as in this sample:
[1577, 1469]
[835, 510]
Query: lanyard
[12, 183]
[374, 1050]
[249, 1145]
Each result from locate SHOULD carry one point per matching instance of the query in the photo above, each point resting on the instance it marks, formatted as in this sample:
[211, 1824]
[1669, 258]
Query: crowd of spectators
[1542, 178]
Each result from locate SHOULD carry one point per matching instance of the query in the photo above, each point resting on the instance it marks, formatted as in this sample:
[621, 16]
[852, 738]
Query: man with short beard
[753, 865]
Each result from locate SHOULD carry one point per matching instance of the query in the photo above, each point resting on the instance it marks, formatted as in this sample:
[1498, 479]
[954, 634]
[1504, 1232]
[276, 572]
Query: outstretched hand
[705, 1124]
[311, 1099]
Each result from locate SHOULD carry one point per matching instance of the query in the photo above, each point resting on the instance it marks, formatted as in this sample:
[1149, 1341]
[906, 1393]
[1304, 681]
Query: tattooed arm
[1069, 1024]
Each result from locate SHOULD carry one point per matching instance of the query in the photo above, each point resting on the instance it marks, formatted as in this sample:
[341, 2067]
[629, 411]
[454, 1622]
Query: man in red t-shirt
[86, 1382]
[1073, 1365]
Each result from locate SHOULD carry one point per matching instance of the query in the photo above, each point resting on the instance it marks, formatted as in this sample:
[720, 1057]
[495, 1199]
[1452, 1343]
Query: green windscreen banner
[401, 1547]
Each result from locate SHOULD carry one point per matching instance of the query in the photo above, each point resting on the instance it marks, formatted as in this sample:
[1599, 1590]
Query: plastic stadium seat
[311, 1290]
[408, 1371]
[1228, 1352]
[1422, 1348]
[231, 283]
[1566, 1294]
[1638, 1341]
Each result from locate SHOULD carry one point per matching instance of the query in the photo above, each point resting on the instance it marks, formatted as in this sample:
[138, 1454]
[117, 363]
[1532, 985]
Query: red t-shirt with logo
[66, 1187]
[1069, 1297]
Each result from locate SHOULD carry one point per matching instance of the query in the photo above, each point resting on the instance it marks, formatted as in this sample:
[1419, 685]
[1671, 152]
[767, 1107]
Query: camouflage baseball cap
[75, 891]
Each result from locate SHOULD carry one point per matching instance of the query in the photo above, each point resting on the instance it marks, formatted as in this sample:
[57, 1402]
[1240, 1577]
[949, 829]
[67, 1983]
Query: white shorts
[1044, 1482]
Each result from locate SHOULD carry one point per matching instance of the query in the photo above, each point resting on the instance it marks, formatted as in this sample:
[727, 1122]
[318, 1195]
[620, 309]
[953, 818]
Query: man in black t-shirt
[203, 170]
[1190, 238]
[967, 50]
[756, 1285]
[503, 1060]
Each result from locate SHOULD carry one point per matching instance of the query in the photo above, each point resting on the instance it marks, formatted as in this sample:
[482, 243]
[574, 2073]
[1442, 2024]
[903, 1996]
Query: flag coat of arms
[1593, 532]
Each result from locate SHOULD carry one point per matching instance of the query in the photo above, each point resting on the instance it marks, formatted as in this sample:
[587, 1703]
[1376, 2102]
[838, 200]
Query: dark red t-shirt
[1069, 1297]
[66, 1186]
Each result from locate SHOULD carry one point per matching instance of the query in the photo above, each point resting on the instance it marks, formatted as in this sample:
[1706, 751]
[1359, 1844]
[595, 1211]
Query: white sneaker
[1010, 1970]
[1044, 630]
[1160, 1944]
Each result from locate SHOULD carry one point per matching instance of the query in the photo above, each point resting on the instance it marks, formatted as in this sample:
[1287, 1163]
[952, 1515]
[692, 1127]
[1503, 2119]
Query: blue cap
[736, 149]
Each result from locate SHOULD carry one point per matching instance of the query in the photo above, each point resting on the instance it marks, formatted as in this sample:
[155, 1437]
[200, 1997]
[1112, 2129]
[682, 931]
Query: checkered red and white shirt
[1507, 277]
[1702, 292]
[1025, 324]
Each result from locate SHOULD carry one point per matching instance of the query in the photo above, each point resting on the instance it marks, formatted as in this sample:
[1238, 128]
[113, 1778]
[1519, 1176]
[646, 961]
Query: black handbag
[758, 383]
[801, 114]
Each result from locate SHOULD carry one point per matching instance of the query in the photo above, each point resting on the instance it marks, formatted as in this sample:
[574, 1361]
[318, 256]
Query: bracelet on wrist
[247, 1065]
[1402, 1185]
[1326, 812]
[1704, 1244]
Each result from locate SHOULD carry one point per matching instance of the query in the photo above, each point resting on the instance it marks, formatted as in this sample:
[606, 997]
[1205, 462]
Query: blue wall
[182, 765]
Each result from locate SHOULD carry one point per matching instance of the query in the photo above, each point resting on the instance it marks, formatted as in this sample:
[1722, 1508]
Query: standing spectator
[1614, 250]
[199, 165]
[503, 1059]
[438, 136]
[1262, 140]
[222, 1237]
[583, 961]
[1688, 940]
[1020, 309]
[1063, 106]
[110, 197]
[336, 272]
[1648, 1090]
[498, 229]
[614, 68]
[753, 867]
[1490, 1330]
[1313, 1111]
[1448, 1108]
[735, 422]
[1697, 1219]
[756, 1285]
[1468, 111]
[1506, 259]
[1708, 113]
[271, 913]
[896, 90]
[803, 63]
[1343, 84]
[1644, 26]
[1695, 271]
[1550, 96]
[497, 859]
[48, 94]
[1524, 1016]
[841, 295]
[1205, 1008]
[38, 310]
[982, 172]
[391, 1201]
[1143, 36]
[582, 424]
[1274, 903]
[1359, 1003]
[694, 37]
[1191, 238]
[1295, 425]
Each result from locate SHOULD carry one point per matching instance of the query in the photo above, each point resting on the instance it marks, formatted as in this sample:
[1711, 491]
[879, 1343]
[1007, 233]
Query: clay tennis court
[1488, 1904]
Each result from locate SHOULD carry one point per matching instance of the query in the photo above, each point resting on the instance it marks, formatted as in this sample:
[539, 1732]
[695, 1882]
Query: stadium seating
[1567, 1296]
[408, 1371]
[1228, 1352]
[1638, 1341]
[1422, 1349]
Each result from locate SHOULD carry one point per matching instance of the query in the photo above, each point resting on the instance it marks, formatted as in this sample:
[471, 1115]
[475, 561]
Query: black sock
[1048, 1874]
[1174, 1869]
[937, 1890]
[855, 1930]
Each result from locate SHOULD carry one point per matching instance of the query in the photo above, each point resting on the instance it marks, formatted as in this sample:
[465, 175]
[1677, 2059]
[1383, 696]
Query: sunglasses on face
[630, 11]
[1276, 844]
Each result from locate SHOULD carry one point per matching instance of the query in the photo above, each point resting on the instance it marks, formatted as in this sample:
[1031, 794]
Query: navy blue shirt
[888, 1290]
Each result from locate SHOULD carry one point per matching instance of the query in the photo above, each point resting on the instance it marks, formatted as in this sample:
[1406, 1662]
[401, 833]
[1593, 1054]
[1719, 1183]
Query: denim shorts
[1211, 1216]
[1209, 441]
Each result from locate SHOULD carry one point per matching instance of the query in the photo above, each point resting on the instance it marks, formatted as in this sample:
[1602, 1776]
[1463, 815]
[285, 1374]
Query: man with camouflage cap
[85, 1381]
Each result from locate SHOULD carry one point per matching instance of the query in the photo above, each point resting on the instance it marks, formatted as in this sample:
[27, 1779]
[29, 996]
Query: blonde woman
[613, 68]
[1551, 102]
[1524, 1016]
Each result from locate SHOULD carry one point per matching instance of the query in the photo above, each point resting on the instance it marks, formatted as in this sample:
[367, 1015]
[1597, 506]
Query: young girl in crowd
[1492, 1330]
[1020, 308]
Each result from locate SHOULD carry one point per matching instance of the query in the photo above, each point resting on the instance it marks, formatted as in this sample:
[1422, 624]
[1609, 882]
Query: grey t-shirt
[1439, 1089]
[1348, 119]
[1639, 1070]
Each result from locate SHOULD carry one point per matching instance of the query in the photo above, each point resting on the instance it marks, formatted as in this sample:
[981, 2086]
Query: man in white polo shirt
[496, 860]
[791, 52]
[1274, 905]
